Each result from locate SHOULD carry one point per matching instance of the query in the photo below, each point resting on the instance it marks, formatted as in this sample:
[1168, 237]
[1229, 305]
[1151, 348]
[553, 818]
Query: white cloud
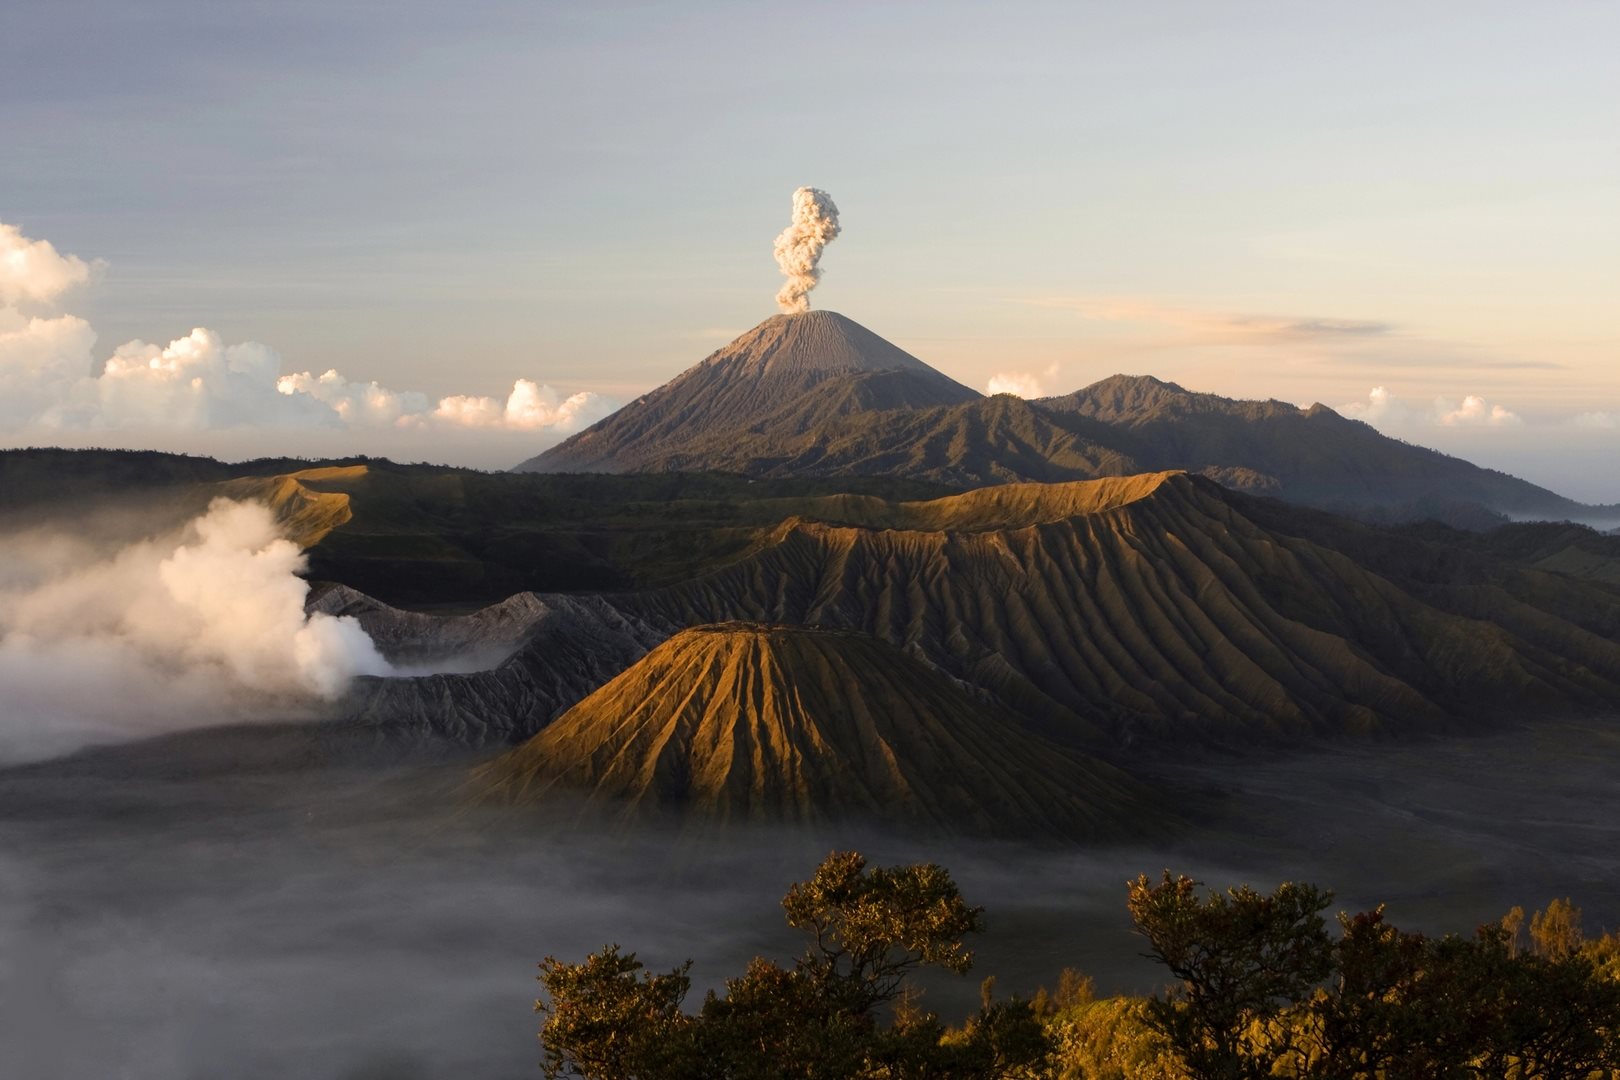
[1595, 421]
[1021, 383]
[51, 380]
[365, 404]
[1380, 408]
[195, 383]
[1385, 411]
[1474, 411]
[1025, 384]
[32, 271]
[41, 363]
[530, 407]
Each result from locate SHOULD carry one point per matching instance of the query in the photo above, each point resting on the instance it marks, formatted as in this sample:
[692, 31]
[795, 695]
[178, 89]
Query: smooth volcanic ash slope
[749, 723]
[787, 377]
[817, 395]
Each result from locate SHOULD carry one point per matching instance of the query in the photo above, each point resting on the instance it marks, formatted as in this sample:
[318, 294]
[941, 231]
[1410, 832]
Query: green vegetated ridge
[432, 537]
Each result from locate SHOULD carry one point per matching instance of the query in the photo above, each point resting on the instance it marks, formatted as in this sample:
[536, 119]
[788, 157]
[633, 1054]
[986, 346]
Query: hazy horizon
[1261, 201]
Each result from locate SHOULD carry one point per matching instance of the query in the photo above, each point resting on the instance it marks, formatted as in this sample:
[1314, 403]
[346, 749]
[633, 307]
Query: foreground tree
[1263, 990]
[844, 1009]
[610, 1019]
[1243, 959]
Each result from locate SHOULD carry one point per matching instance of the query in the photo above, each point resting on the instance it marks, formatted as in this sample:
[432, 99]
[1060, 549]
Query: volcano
[742, 722]
[788, 377]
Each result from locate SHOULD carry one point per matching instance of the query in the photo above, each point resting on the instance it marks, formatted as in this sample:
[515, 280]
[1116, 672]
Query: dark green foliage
[842, 1010]
[1265, 990]
[870, 928]
[1241, 957]
[610, 1018]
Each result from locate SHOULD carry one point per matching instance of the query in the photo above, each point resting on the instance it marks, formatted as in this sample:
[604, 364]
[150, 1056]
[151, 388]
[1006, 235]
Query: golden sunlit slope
[306, 512]
[742, 723]
[1005, 506]
[1156, 605]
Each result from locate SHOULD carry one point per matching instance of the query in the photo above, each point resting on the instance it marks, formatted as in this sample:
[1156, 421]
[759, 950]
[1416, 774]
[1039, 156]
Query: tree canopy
[1261, 986]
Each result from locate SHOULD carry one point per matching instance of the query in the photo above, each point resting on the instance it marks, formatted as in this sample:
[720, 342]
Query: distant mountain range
[816, 394]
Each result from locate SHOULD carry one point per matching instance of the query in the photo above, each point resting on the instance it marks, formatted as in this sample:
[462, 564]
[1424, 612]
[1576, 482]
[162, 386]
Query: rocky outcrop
[570, 646]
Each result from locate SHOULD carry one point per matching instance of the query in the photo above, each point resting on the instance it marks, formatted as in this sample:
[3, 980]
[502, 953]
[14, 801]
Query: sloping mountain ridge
[744, 723]
[1313, 456]
[1139, 610]
[1173, 613]
[570, 646]
[773, 380]
[818, 395]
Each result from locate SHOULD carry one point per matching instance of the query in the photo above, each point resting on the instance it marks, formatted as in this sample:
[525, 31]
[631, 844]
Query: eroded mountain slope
[744, 723]
[1169, 611]
[1158, 607]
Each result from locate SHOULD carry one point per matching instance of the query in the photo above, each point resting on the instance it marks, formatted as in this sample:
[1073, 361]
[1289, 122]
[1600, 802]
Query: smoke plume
[798, 249]
[201, 626]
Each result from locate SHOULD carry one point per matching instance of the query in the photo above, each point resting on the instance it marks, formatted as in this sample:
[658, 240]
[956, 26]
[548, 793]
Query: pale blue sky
[445, 197]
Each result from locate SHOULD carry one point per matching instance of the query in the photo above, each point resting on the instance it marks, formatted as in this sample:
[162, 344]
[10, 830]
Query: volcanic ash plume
[798, 249]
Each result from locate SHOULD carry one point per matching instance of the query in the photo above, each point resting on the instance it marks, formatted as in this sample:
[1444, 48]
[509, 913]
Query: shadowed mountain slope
[1157, 609]
[746, 723]
[818, 395]
[1561, 546]
[567, 647]
[1313, 456]
[790, 375]
[1174, 611]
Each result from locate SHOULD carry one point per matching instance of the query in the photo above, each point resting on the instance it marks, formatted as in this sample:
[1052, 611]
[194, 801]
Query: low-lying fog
[278, 902]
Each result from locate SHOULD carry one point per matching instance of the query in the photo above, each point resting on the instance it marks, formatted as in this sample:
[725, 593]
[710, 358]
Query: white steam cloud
[798, 248]
[52, 382]
[201, 627]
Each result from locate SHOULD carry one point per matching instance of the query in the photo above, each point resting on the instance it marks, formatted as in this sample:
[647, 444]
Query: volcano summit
[816, 394]
[782, 381]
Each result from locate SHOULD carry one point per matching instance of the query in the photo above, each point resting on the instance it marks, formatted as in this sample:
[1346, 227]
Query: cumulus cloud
[366, 404]
[1383, 409]
[1474, 411]
[162, 632]
[53, 380]
[529, 407]
[32, 271]
[1024, 384]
